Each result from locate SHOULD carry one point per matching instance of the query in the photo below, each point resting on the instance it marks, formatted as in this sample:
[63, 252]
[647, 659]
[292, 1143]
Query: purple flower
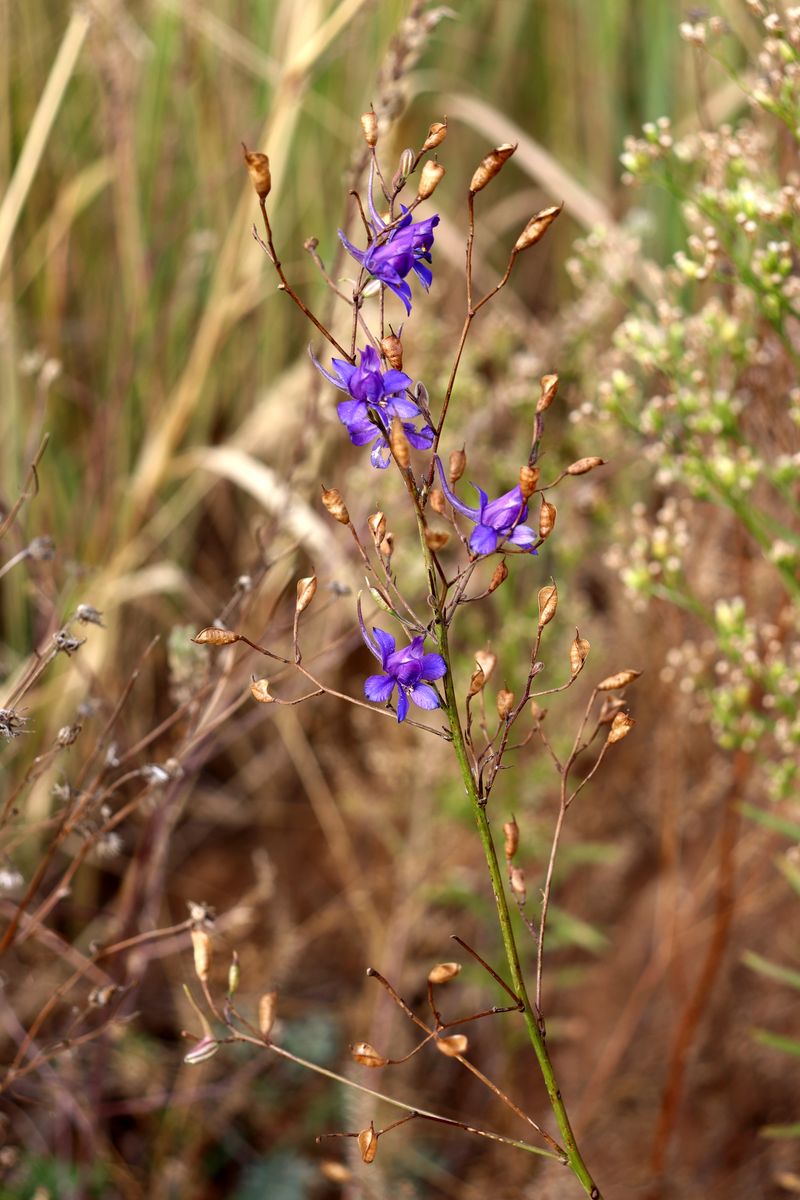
[409, 670]
[375, 398]
[390, 257]
[496, 521]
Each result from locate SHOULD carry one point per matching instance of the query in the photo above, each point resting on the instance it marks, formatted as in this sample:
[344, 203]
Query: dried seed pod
[377, 526]
[212, 636]
[201, 945]
[487, 661]
[505, 704]
[528, 481]
[369, 126]
[436, 135]
[259, 172]
[367, 1055]
[499, 575]
[334, 502]
[611, 706]
[399, 444]
[511, 832]
[335, 1171]
[547, 518]
[476, 683]
[585, 464]
[438, 502]
[548, 603]
[392, 349]
[68, 735]
[549, 387]
[444, 972]
[537, 227]
[452, 1046]
[386, 548]
[578, 653]
[537, 712]
[620, 727]
[267, 1011]
[430, 177]
[489, 166]
[620, 680]
[517, 879]
[234, 975]
[436, 539]
[368, 1143]
[306, 589]
[259, 690]
[456, 465]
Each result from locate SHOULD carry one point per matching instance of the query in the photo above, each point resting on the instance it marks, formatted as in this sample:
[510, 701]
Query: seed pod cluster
[620, 727]
[456, 465]
[259, 690]
[499, 575]
[452, 1046]
[578, 653]
[399, 444]
[505, 704]
[369, 126]
[267, 1011]
[392, 348]
[585, 464]
[511, 834]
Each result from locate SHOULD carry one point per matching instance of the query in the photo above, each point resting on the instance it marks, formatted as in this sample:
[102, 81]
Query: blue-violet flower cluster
[410, 670]
[496, 521]
[391, 257]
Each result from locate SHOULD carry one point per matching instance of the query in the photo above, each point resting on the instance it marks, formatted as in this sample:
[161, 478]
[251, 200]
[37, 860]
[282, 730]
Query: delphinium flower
[390, 257]
[376, 397]
[409, 669]
[496, 521]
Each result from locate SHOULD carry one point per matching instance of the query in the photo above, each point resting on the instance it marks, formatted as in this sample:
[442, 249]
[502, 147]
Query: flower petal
[358, 255]
[385, 642]
[483, 540]
[331, 378]
[424, 696]
[523, 536]
[379, 688]
[402, 705]
[371, 645]
[459, 505]
[380, 457]
[433, 666]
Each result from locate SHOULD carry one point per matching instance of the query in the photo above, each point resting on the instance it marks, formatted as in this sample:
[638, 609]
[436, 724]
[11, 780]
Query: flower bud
[267, 1011]
[487, 661]
[444, 972]
[430, 177]
[620, 727]
[381, 599]
[367, 1055]
[234, 975]
[489, 166]
[620, 680]
[537, 227]
[578, 653]
[517, 879]
[212, 636]
[528, 481]
[505, 704]
[499, 575]
[207, 1047]
[452, 1046]
[259, 690]
[511, 832]
[333, 501]
[436, 135]
[476, 683]
[547, 518]
[456, 465]
[438, 502]
[258, 169]
[368, 1143]
[548, 603]
[392, 349]
[549, 387]
[406, 164]
[377, 526]
[585, 464]
[306, 589]
[399, 444]
[436, 539]
[369, 125]
[201, 945]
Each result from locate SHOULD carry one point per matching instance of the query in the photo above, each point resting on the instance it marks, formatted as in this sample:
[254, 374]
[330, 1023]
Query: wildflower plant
[418, 682]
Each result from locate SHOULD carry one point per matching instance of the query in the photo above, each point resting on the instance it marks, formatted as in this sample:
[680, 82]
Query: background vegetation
[141, 329]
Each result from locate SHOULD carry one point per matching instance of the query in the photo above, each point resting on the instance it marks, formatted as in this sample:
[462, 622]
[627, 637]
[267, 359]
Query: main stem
[576, 1163]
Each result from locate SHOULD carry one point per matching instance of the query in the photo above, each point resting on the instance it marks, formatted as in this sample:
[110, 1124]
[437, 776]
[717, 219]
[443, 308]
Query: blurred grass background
[140, 327]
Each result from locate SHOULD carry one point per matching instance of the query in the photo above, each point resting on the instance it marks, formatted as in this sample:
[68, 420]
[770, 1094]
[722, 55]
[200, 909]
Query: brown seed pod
[549, 387]
[476, 683]
[399, 444]
[452, 1046]
[367, 1055]
[259, 690]
[487, 661]
[436, 539]
[267, 1011]
[548, 603]
[377, 527]
[585, 464]
[456, 465]
[578, 653]
[537, 227]
[528, 481]
[216, 637]
[620, 680]
[436, 135]
[517, 879]
[511, 832]
[369, 126]
[438, 502]
[490, 165]
[259, 172]
[430, 177]
[392, 349]
[306, 590]
[334, 502]
[505, 704]
[335, 1171]
[386, 548]
[444, 972]
[499, 575]
[547, 519]
[620, 727]
[201, 946]
[368, 1143]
